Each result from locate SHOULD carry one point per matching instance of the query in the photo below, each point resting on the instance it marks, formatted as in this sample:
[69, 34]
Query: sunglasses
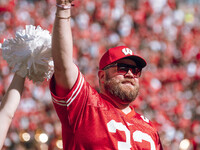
[124, 68]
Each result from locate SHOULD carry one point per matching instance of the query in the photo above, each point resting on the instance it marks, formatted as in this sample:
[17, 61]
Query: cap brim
[139, 61]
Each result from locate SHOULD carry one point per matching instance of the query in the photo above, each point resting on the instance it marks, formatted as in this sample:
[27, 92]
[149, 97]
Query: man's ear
[101, 75]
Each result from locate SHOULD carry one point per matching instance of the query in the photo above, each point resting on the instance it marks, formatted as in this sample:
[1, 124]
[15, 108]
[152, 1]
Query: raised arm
[66, 71]
[9, 105]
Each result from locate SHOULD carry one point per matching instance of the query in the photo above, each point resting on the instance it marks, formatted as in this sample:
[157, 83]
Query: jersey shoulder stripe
[59, 102]
[65, 101]
[76, 91]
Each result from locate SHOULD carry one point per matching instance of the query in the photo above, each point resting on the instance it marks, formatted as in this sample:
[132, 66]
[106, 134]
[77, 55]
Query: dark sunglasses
[124, 68]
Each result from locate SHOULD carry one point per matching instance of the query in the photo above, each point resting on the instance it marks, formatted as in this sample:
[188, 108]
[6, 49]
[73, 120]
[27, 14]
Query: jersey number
[138, 136]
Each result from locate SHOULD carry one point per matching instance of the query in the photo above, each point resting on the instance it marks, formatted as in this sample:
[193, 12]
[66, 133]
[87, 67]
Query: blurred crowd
[165, 32]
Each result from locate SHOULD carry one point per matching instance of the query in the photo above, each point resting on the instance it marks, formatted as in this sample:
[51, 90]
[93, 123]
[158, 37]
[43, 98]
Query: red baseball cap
[118, 53]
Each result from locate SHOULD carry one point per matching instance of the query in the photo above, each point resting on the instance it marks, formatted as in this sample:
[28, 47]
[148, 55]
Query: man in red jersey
[92, 120]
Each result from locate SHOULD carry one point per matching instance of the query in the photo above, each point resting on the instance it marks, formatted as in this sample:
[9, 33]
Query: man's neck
[125, 108]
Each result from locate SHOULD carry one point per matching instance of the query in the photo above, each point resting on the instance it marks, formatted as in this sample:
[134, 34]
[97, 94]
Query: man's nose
[129, 74]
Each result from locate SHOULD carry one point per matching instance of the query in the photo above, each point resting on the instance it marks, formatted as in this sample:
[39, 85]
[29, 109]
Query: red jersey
[90, 122]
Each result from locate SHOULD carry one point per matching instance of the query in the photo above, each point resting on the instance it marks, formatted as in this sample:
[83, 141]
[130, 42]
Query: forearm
[62, 39]
[62, 49]
[12, 97]
[9, 105]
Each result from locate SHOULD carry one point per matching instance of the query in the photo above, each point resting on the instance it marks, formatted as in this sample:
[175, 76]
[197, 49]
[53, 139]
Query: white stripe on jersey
[73, 96]
[59, 102]
[80, 84]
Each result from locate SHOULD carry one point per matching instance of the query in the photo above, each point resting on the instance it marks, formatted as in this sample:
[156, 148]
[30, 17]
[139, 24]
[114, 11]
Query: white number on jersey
[138, 136]
[113, 126]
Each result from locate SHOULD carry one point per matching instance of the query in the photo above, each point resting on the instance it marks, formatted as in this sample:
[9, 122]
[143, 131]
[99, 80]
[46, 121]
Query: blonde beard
[125, 94]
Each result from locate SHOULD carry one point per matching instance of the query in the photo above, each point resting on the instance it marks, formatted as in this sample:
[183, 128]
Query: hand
[63, 2]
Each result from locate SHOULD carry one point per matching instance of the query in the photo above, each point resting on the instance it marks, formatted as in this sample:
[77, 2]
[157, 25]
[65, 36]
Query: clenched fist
[63, 2]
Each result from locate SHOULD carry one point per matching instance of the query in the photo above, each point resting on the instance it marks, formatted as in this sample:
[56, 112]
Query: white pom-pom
[29, 53]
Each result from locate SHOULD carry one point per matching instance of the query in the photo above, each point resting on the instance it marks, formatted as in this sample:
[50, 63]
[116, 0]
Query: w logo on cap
[127, 51]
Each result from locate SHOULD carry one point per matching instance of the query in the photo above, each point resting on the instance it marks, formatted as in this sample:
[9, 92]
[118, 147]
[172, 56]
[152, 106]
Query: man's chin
[121, 93]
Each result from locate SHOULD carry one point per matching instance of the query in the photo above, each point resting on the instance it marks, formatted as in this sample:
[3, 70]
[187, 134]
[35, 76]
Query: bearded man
[92, 120]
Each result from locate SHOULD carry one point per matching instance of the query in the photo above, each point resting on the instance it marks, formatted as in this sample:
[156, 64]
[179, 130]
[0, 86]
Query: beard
[115, 88]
